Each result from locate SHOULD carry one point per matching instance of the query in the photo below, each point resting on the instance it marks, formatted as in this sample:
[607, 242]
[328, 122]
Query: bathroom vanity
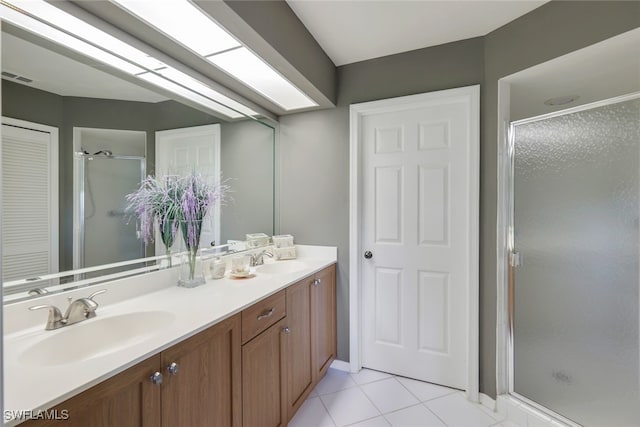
[232, 352]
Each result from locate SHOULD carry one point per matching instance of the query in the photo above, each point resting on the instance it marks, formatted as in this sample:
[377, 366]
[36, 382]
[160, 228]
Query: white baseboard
[341, 365]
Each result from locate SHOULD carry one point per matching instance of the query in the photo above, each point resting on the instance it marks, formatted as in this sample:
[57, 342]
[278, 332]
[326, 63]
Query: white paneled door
[418, 207]
[186, 150]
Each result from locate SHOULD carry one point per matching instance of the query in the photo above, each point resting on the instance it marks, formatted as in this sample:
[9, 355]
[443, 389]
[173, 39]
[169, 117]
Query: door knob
[368, 255]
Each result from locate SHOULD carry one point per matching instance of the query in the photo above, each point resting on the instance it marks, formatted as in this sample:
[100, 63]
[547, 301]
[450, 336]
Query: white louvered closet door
[29, 201]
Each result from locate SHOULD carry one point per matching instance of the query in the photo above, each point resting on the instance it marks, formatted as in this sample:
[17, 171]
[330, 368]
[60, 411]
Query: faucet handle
[55, 320]
[96, 293]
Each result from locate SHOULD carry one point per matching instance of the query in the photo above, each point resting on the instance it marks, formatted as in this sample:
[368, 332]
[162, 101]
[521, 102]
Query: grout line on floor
[327, 411]
[436, 415]
[450, 391]
[372, 402]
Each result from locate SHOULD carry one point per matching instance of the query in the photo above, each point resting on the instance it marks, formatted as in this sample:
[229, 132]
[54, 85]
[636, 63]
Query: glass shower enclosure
[574, 284]
[104, 233]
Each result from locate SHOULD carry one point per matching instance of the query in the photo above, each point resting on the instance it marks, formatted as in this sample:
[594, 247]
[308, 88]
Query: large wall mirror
[63, 200]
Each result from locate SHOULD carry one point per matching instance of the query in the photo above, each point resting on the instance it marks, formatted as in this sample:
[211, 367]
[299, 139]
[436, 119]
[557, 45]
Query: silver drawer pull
[265, 314]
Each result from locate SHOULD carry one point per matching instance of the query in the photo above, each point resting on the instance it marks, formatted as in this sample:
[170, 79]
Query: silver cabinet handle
[286, 330]
[317, 282]
[156, 378]
[173, 368]
[266, 314]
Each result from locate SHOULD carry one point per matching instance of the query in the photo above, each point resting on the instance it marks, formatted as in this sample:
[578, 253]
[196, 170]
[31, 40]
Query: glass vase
[191, 273]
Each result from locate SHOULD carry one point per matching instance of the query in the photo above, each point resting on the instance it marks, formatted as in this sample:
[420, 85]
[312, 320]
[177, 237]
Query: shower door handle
[515, 259]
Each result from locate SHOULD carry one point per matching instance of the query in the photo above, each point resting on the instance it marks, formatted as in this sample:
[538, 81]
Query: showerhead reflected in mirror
[76, 139]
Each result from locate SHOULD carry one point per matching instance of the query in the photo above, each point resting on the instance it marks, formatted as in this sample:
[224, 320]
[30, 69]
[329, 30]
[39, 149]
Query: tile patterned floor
[375, 399]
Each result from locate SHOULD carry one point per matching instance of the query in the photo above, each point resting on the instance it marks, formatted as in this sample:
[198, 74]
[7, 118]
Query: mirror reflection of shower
[108, 164]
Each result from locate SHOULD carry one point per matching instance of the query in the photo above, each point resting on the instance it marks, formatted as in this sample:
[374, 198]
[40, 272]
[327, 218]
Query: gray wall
[65, 113]
[314, 173]
[315, 145]
[555, 29]
[247, 150]
[276, 22]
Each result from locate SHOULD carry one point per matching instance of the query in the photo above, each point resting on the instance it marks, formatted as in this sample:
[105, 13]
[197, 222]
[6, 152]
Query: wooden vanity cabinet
[282, 364]
[263, 362]
[205, 389]
[128, 399]
[263, 377]
[299, 374]
[323, 320]
[311, 342]
[253, 369]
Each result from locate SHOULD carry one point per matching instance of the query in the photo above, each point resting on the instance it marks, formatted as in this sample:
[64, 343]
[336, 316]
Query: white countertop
[35, 387]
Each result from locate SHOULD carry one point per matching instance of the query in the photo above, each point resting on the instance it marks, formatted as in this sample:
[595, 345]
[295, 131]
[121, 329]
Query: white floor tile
[414, 416]
[366, 376]
[516, 414]
[425, 391]
[456, 411]
[373, 422]
[389, 395]
[312, 413]
[349, 406]
[333, 381]
[493, 414]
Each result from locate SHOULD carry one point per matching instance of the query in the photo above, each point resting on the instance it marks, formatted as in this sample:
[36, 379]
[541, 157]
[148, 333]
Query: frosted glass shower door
[575, 224]
[109, 236]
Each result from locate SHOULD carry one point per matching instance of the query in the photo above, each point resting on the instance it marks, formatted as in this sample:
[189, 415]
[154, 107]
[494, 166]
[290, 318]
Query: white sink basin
[95, 337]
[282, 267]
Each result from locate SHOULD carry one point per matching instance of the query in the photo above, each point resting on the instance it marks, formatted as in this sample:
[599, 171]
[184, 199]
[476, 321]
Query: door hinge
[515, 259]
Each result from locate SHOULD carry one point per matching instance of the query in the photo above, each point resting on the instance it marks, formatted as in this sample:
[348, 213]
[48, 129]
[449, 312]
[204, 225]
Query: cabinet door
[299, 367]
[263, 364]
[323, 324]
[205, 391]
[129, 399]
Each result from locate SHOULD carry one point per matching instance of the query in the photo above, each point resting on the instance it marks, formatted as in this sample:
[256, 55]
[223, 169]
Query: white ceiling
[65, 76]
[351, 31]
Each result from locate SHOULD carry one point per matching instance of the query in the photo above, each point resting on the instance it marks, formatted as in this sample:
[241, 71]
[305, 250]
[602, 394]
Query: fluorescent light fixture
[50, 22]
[182, 91]
[190, 82]
[85, 31]
[245, 66]
[34, 26]
[183, 22]
[189, 26]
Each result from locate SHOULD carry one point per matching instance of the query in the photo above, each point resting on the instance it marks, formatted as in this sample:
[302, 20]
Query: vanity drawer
[263, 314]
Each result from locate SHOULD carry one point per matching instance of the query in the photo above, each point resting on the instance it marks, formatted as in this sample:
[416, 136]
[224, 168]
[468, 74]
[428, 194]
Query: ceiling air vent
[12, 76]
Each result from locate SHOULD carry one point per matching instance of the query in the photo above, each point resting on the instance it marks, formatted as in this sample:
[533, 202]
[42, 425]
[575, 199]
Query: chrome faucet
[258, 258]
[78, 310]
